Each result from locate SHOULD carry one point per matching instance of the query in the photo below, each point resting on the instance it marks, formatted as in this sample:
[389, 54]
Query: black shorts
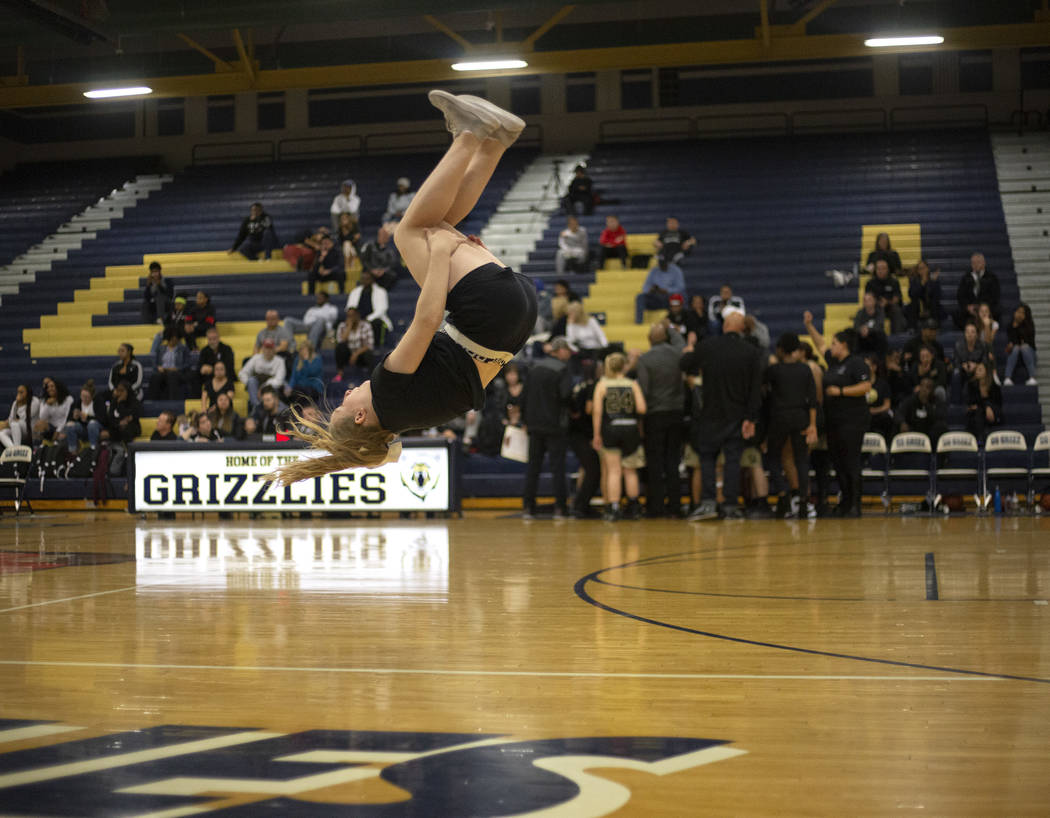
[494, 307]
[626, 437]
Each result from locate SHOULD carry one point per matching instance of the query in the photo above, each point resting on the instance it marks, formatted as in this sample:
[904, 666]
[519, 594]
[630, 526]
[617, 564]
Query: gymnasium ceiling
[52, 50]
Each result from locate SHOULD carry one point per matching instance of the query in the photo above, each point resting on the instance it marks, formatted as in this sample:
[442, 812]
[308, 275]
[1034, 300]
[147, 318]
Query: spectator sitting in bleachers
[303, 253]
[399, 200]
[165, 429]
[696, 320]
[925, 411]
[175, 320]
[122, 415]
[172, 360]
[664, 279]
[156, 296]
[218, 382]
[348, 238]
[328, 266]
[880, 398]
[214, 350]
[381, 259]
[199, 318]
[676, 315]
[573, 248]
[256, 235]
[84, 419]
[927, 336]
[372, 303]
[305, 382]
[984, 402]
[346, 201]
[127, 368]
[924, 295]
[674, 243]
[282, 337]
[897, 374]
[580, 195]
[884, 252]
[584, 333]
[870, 324]
[725, 298]
[25, 411]
[354, 342]
[887, 292]
[268, 415]
[987, 324]
[563, 296]
[978, 285]
[1020, 334]
[970, 350]
[613, 241]
[265, 368]
[317, 321]
[54, 409]
[204, 430]
[225, 418]
[928, 365]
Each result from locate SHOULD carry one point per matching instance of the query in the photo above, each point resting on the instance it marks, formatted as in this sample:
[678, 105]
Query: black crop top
[445, 385]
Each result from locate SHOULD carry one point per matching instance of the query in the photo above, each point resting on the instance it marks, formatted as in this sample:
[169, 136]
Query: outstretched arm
[430, 307]
[818, 340]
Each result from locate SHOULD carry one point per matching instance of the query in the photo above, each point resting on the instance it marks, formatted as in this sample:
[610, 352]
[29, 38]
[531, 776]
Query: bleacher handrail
[239, 155]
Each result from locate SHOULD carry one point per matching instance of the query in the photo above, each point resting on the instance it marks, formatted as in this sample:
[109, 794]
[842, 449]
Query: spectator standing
[725, 298]
[305, 381]
[354, 344]
[979, 285]
[398, 201]
[256, 235]
[328, 266]
[172, 360]
[156, 296]
[127, 368]
[269, 413]
[380, 258]
[674, 243]
[1020, 335]
[870, 326]
[53, 411]
[757, 333]
[883, 251]
[924, 295]
[25, 411]
[618, 408]
[372, 303]
[317, 321]
[792, 418]
[225, 418]
[573, 248]
[165, 429]
[545, 412]
[887, 292]
[925, 412]
[265, 368]
[214, 350]
[664, 280]
[660, 379]
[580, 196]
[613, 241]
[732, 396]
[583, 331]
[122, 416]
[84, 419]
[347, 202]
[218, 383]
[581, 405]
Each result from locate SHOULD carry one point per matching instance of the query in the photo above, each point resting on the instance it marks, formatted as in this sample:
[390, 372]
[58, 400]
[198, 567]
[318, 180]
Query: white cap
[732, 309]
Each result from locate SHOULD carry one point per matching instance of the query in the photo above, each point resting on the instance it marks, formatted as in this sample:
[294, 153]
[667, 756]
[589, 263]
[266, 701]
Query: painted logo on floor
[188, 770]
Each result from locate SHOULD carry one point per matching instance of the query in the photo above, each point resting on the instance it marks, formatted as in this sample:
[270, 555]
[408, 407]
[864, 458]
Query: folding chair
[874, 447]
[958, 459]
[911, 461]
[19, 458]
[1006, 461]
[1039, 465]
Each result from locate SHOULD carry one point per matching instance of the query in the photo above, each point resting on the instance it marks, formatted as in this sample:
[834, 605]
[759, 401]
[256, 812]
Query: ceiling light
[886, 42]
[488, 65]
[108, 93]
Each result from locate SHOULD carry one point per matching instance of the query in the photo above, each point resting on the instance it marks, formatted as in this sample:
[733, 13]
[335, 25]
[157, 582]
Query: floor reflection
[410, 561]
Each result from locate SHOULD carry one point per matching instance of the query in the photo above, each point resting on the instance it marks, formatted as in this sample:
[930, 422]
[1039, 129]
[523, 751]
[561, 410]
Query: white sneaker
[1008, 382]
[1031, 382]
[462, 115]
[510, 126]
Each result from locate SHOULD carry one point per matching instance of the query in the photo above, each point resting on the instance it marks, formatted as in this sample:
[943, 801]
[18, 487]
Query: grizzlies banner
[228, 477]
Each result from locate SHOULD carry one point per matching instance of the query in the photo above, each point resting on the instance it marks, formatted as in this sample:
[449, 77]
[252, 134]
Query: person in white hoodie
[372, 302]
[345, 201]
[25, 409]
[265, 368]
[317, 321]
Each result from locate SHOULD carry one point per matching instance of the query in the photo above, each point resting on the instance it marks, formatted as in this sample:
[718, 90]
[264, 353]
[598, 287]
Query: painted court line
[397, 671]
[97, 593]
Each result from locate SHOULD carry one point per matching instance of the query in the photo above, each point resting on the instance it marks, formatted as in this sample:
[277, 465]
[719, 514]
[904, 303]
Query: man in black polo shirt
[792, 416]
[732, 395]
[846, 383]
[545, 412]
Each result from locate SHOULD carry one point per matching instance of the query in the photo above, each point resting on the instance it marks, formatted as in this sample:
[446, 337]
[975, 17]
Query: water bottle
[997, 501]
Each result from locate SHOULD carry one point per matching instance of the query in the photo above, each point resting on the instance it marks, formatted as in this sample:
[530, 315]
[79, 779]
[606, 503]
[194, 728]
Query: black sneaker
[759, 511]
[634, 510]
[735, 513]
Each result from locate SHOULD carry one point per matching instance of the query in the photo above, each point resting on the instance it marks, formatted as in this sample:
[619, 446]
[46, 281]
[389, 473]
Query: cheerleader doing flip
[431, 377]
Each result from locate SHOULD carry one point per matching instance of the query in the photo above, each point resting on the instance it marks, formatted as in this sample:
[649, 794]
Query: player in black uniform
[792, 416]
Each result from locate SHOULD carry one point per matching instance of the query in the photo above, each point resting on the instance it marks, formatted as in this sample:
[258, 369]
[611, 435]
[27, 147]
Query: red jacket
[613, 238]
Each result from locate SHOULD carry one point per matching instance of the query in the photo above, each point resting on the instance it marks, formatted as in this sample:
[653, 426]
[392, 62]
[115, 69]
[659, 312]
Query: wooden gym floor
[488, 666]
